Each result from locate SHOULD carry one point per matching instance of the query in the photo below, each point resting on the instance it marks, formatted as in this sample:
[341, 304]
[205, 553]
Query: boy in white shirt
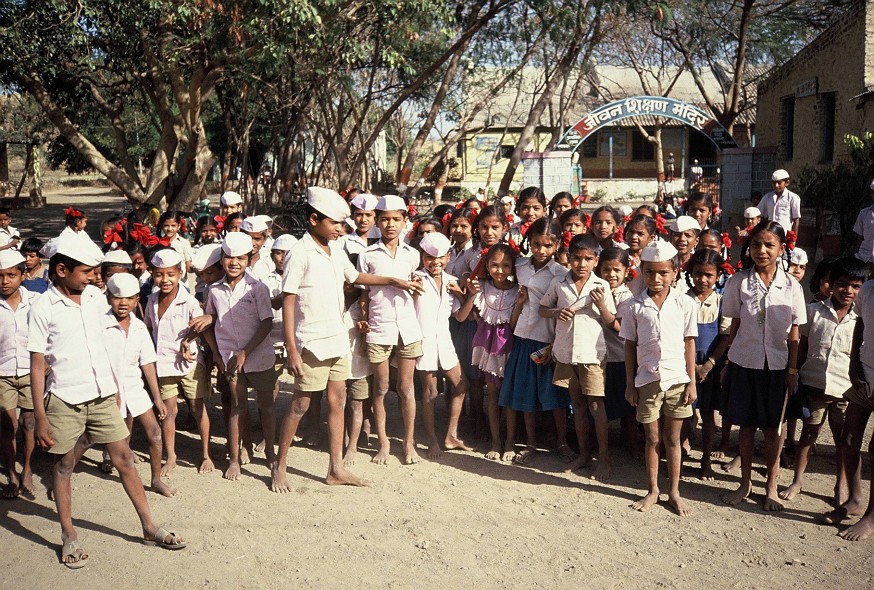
[659, 327]
[9, 236]
[363, 209]
[77, 396]
[390, 323]
[864, 230]
[781, 204]
[316, 338]
[260, 266]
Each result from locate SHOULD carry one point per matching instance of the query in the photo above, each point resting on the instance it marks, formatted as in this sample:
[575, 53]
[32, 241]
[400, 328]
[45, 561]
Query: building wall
[839, 62]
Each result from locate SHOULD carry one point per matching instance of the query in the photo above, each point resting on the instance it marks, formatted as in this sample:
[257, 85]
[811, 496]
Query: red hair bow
[726, 240]
[524, 227]
[626, 219]
[739, 265]
[660, 224]
[588, 220]
[727, 268]
[632, 272]
[791, 238]
[114, 235]
[566, 237]
[219, 222]
[508, 218]
[72, 212]
[413, 232]
[514, 247]
[183, 226]
[447, 219]
[411, 210]
[142, 234]
[619, 236]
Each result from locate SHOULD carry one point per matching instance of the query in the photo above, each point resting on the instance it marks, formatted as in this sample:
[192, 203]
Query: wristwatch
[792, 371]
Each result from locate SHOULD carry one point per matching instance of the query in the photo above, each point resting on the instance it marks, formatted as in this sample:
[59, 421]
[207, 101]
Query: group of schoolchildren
[525, 307]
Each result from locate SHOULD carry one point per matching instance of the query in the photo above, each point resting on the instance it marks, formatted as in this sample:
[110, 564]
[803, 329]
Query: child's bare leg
[246, 448]
[153, 435]
[226, 408]
[129, 422]
[239, 408]
[510, 416]
[651, 454]
[494, 421]
[200, 415]
[26, 422]
[8, 427]
[747, 440]
[268, 423]
[864, 528]
[724, 439]
[380, 379]
[674, 453]
[62, 492]
[337, 473]
[836, 425]
[456, 404]
[809, 433]
[429, 396]
[772, 462]
[851, 449]
[407, 397]
[168, 431]
[300, 403]
[632, 442]
[476, 408]
[581, 427]
[708, 426]
[599, 414]
[354, 421]
[313, 437]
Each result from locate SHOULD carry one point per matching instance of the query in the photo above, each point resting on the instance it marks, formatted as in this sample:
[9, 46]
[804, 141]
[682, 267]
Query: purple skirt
[491, 347]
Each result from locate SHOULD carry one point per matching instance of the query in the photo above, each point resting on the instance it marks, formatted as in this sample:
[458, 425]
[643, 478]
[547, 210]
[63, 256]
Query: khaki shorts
[194, 385]
[818, 403]
[378, 353]
[358, 389]
[316, 373]
[859, 398]
[586, 378]
[652, 402]
[15, 393]
[258, 380]
[100, 419]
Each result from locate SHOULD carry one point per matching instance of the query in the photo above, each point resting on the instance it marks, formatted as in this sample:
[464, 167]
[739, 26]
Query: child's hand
[454, 289]
[690, 394]
[42, 433]
[187, 353]
[236, 362]
[411, 287]
[791, 383]
[473, 287]
[702, 371]
[162, 409]
[566, 314]
[363, 326]
[522, 296]
[200, 323]
[631, 394]
[598, 296]
[295, 363]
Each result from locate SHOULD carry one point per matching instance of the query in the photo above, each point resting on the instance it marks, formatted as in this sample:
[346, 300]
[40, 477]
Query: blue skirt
[754, 397]
[709, 391]
[462, 338]
[615, 403]
[528, 386]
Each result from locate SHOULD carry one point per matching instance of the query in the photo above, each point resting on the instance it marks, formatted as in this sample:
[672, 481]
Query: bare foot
[168, 467]
[580, 462]
[843, 512]
[259, 448]
[26, 486]
[717, 455]
[278, 482]
[602, 472]
[739, 495]
[159, 487]
[137, 458]
[452, 443]
[732, 465]
[434, 450]
[772, 503]
[382, 455]
[786, 460]
[341, 477]
[411, 456]
[707, 473]
[493, 455]
[790, 492]
[679, 505]
[508, 456]
[245, 456]
[233, 472]
[206, 466]
[646, 502]
[350, 456]
[861, 530]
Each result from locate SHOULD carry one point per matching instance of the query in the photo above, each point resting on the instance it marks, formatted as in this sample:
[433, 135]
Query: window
[506, 152]
[619, 142]
[789, 128]
[590, 148]
[642, 149]
[827, 137]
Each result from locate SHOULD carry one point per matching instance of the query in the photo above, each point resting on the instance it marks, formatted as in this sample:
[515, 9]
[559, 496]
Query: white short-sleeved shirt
[456, 258]
[168, 332]
[615, 344]
[708, 311]
[782, 209]
[433, 308]
[359, 363]
[530, 325]
[864, 307]
[581, 340]
[274, 285]
[262, 268]
[7, 235]
[316, 277]
[829, 344]
[238, 315]
[14, 356]
[127, 354]
[661, 337]
[764, 326]
[70, 336]
[392, 312]
[864, 227]
[354, 245]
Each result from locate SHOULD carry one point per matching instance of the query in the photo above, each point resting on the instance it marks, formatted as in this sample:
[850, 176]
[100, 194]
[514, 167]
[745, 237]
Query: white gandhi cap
[391, 203]
[206, 256]
[779, 175]
[365, 202]
[684, 223]
[284, 242]
[10, 258]
[328, 202]
[117, 257]
[658, 251]
[237, 244]
[166, 258]
[230, 198]
[123, 284]
[83, 251]
[254, 225]
[435, 244]
[798, 256]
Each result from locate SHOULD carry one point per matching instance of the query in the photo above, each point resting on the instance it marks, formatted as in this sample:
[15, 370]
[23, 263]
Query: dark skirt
[615, 403]
[528, 386]
[709, 392]
[754, 397]
[462, 338]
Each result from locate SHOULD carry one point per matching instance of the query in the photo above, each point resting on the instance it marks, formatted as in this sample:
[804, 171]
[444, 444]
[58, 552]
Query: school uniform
[615, 403]
[864, 228]
[759, 353]
[660, 335]
[360, 369]
[262, 268]
[781, 208]
[580, 346]
[434, 307]
[14, 356]
[864, 308]
[463, 332]
[80, 387]
[455, 266]
[322, 339]
[128, 353]
[527, 385]
[7, 235]
[711, 325]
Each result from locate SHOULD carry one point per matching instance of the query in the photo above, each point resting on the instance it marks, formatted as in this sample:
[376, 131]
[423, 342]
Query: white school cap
[365, 202]
[284, 242]
[507, 199]
[117, 257]
[684, 223]
[626, 210]
[268, 221]
[435, 244]
[83, 251]
[206, 256]
[49, 248]
[10, 258]
[230, 198]
[798, 256]
[328, 202]
[123, 284]
[253, 225]
[391, 203]
[779, 175]
[751, 212]
[166, 258]
[658, 251]
[237, 244]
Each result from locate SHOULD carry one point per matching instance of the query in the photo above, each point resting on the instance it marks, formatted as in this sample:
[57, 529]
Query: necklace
[760, 291]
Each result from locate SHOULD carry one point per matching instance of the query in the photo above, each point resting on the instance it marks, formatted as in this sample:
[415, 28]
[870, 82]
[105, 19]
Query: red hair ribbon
[727, 268]
[588, 220]
[632, 272]
[113, 235]
[143, 235]
[219, 222]
[619, 235]
[726, 240]
[514, 247]
[508, 218]
[524, 227]
[473, 217]
[447, 219]
[411, 210]
[791, 238]
[183, 226]
[566, 237]
[660, 224]
[479, 271]
[73, 212]
[626, 219]
[459, 205]
[739, 265]
[413, 232]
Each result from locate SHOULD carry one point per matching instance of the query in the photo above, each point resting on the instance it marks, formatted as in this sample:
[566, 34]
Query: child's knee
[64, 466]
[299, 406]
[27, 421]
[122, 459]
[153, 434]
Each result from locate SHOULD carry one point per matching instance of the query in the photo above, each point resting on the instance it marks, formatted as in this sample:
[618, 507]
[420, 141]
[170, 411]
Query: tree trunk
[34, 174]
[4, 162]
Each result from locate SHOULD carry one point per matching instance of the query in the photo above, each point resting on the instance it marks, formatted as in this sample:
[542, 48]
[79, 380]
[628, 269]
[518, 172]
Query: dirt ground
[459, 522]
